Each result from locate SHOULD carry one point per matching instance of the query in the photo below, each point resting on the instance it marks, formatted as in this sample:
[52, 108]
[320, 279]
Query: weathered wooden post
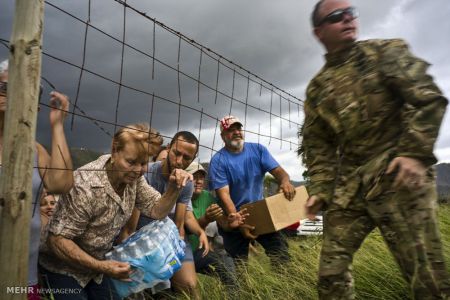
[18, 147]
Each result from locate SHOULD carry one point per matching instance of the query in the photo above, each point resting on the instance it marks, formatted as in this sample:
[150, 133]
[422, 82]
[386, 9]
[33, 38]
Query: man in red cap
[236, 173]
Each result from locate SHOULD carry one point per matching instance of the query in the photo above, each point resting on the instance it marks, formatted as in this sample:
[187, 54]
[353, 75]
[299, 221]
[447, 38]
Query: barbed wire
[201, 47]
[203, 50]
[237, 70]
[299, 104]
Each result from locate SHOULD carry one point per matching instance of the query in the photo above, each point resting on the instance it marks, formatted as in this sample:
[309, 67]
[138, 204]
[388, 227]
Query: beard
[236, 144]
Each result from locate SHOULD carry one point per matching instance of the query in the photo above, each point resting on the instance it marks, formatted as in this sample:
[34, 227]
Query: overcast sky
[272, 39]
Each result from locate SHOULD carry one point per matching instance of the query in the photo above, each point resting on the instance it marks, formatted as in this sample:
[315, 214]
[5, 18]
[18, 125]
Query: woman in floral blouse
[88, 219]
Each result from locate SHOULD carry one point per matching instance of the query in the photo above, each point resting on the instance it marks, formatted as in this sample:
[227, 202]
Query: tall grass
[375, 272]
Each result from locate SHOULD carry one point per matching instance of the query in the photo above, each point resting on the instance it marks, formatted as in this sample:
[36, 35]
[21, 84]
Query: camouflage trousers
[407, 221]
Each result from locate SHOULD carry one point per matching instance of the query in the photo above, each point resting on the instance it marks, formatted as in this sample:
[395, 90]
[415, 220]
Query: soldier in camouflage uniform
[372, 116]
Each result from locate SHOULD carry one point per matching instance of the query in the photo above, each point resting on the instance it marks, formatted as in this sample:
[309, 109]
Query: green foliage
[270, 185]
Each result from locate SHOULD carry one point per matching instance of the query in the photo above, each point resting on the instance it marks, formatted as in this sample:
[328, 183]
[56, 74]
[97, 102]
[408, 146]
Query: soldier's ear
[318, 32]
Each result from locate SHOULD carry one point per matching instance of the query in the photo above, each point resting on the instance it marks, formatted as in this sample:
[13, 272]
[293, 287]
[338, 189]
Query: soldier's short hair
[315, 18]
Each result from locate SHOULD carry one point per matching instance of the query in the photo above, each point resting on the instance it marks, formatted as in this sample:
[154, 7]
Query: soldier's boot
[336, 287]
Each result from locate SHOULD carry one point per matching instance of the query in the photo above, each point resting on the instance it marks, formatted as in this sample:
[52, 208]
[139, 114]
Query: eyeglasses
[339, 14]
[4, 89]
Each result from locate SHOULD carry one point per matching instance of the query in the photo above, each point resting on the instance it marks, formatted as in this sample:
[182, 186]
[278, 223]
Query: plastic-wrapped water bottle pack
[154, 252]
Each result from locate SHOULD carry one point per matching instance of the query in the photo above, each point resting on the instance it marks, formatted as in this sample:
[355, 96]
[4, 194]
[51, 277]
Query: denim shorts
[189, 256]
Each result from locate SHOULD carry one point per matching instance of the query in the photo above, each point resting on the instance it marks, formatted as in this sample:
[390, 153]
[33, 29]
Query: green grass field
[376, 274]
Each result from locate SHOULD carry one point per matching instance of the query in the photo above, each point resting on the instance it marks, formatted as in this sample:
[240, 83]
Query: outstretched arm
[56, 170]
[193, 226]
[154, 205]
[180, 214]
[319, 154]
[213, 212]
[284, 181]
[71, 253]
[424, 104]
[224, 196]
[422, 113]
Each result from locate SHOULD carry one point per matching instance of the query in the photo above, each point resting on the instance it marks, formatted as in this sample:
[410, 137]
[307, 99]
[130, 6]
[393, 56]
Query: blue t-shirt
[242, 172]
[156, 179]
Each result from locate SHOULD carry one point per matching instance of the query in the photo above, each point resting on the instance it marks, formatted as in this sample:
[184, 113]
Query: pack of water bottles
[154, 252]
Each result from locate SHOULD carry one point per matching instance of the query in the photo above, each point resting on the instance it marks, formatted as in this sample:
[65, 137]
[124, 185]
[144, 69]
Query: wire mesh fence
[141, 70]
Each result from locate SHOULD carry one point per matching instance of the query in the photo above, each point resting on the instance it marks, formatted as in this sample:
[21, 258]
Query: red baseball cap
[227, 121]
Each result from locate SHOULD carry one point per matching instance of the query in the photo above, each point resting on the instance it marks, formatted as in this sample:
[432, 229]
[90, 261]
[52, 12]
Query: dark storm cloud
[273, 39]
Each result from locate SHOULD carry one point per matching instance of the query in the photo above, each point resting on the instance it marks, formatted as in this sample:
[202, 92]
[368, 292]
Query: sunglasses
[4, 89]
[339, 14]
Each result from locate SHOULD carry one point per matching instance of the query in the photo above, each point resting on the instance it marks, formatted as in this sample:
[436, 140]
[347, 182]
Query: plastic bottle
[155, 253]
[108, 256]
[120, 254]
[134, 251]
[143, 244]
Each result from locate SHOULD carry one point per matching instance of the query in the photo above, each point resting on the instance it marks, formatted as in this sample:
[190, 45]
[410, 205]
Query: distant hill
[298, 183]
[271, 186]
[443, 174]
[82, 156]
[443, 182]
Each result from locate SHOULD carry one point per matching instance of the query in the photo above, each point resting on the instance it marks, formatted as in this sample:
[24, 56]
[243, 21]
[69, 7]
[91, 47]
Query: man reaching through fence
[182, 150]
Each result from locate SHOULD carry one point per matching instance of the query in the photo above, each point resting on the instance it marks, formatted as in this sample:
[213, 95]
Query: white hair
[4, 66]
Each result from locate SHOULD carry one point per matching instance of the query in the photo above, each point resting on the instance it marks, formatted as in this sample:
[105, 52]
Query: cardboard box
[276, 212]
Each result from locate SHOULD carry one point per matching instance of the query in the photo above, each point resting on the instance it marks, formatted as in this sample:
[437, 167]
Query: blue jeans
[275, 246]
[215, 263]
[70, 289]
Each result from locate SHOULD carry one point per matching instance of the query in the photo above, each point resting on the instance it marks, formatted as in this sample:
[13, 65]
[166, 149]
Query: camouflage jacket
[368, 104]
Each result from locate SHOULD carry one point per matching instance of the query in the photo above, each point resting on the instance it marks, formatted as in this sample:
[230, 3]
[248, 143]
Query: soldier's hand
[411, 172]
[246, 231]
[313, 206]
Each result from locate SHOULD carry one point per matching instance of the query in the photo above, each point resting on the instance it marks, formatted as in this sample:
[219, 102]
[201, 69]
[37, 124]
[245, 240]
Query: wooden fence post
[19, 147]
